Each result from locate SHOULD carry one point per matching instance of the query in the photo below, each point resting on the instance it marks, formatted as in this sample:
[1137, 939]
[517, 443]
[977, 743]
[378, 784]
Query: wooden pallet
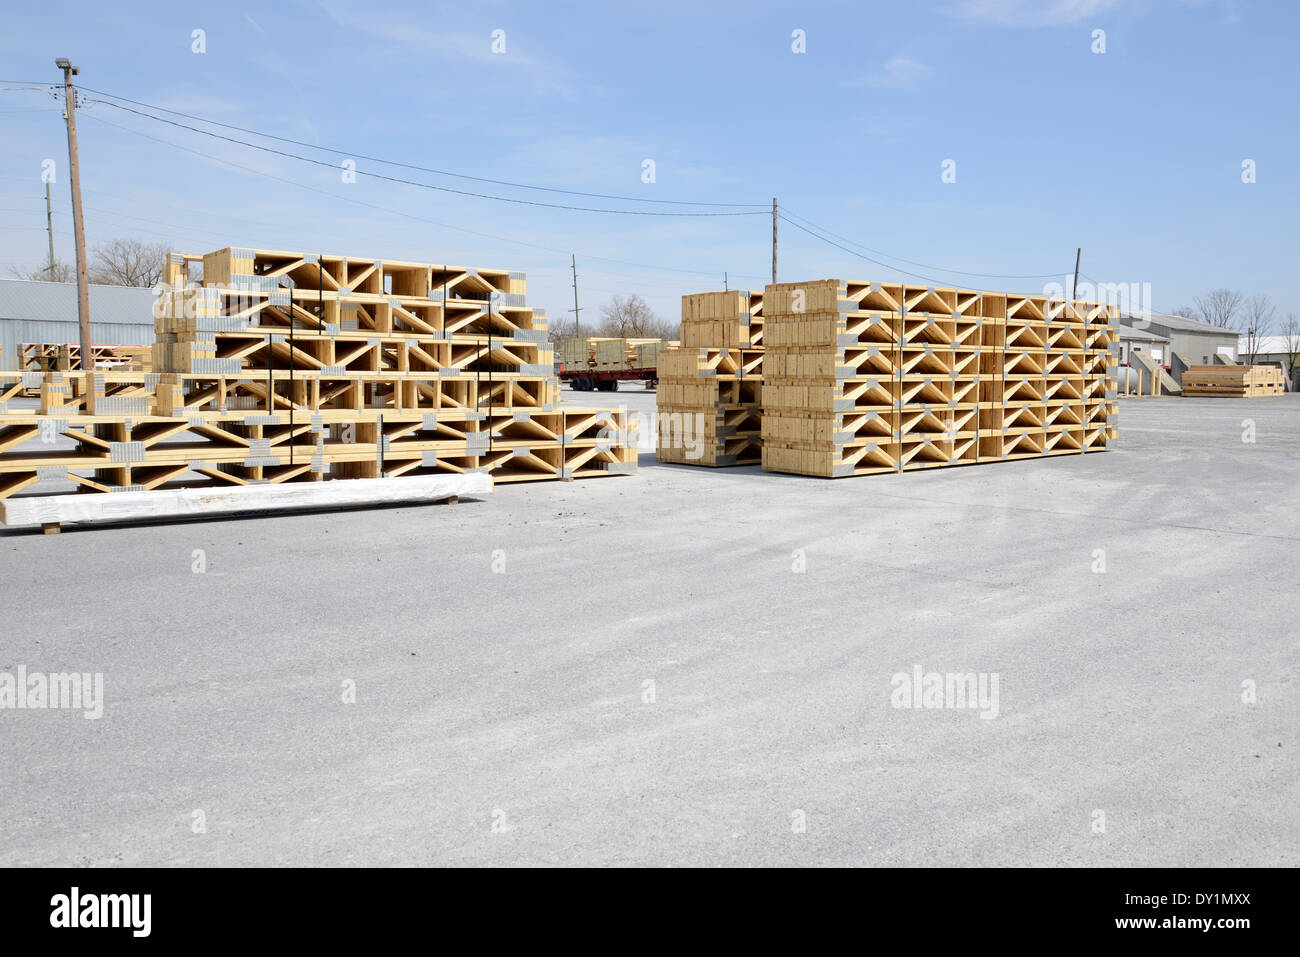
[1240, 382]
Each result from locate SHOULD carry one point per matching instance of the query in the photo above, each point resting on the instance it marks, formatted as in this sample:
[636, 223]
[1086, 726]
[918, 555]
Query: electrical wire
[851, 252]
[789, 216]
[393, 212]
[910, 262]
[411, 182]
[411, 166]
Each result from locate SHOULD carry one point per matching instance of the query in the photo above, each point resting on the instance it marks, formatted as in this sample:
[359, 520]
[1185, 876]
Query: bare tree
[557, 330]
[1290, 346]
[1258, 315]
[128, 262]
[1187, 312]
[630, 317]
[62, 272]
[1219, 308]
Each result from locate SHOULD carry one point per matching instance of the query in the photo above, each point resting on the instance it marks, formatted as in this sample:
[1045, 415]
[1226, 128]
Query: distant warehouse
[47, 312]
[1161, 336]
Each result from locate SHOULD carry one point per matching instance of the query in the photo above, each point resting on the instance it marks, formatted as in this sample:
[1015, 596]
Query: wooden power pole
[49, 228]
[773, 239]
[78, 224]
[577, 326]
[1078, 254]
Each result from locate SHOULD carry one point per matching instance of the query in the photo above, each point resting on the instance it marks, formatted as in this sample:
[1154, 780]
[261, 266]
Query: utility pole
[49, 228]
[1074, 293]
[773, 239]
[577, 326]
[78, 225]
[725, 287]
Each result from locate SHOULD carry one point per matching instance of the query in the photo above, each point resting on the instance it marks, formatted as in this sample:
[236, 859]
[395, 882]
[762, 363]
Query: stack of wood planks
[710, 387]
[604, 353]
[1239, 382]
[862, 377]
[286, 366]
[732, 319]
[620, 354]
[576, 354]
[644, 353]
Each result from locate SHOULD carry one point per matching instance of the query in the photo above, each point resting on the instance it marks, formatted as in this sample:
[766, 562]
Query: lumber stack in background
[42, 357]
[644, 353]
[66, 357]
[1239, 382]
[863, 378]
[710, 387]
[611, 354]
[575, 354]
[622, 354]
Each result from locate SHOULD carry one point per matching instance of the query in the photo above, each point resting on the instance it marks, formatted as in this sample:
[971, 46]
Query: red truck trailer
[605, 380]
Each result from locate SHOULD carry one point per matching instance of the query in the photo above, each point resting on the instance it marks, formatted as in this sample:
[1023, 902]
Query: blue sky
[1134, 154]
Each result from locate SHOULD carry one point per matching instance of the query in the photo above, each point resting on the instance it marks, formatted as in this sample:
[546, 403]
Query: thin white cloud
[901, 72]
[539, 75]
[1033, 13]
[1232, 10]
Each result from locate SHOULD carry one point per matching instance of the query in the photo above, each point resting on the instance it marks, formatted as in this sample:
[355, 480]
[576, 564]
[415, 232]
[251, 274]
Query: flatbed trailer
[605, 380]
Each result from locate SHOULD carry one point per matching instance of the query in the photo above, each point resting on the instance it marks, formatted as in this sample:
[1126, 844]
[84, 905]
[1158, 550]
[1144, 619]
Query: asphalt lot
[683, 666]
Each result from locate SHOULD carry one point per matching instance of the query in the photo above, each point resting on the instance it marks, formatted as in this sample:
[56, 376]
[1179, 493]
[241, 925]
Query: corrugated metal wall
[15, 331]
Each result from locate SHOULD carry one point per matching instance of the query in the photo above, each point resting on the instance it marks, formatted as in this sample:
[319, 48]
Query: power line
[851, 252]
[411, 182]
[422, 169]
[910, 262]
[391, 212]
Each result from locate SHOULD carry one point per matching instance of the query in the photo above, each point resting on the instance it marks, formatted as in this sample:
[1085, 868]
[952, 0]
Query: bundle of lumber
[710, 406]
[710, 387]
[611, 354]
[862, 377]
[576, 354]
[282, 367]
[618, 354]
[644, 353]
[732, 319]
[1239, 382]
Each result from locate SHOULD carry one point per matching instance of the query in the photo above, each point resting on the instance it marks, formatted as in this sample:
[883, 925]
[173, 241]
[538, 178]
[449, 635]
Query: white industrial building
[47, 312]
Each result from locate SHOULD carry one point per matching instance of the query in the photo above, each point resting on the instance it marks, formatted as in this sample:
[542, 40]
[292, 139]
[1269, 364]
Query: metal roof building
[1198, 342]
[1152, 343]
[47, 312]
